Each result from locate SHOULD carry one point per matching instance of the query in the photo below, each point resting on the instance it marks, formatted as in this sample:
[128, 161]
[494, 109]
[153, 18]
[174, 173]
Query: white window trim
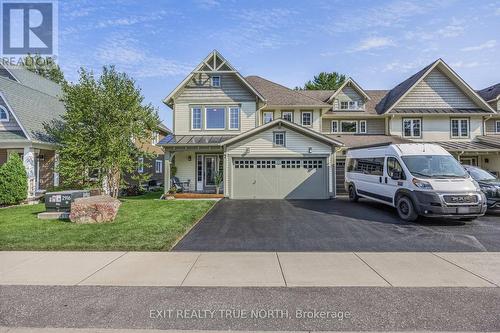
[290, 112]
[459, 136]
[140, 167]
[348, 121]
[497, 126]
[302, 113]
[412, 120]
[229, 117]
[159, 163]
[212, 81]
[6, 120]
[192, 118]
[331, 126]
[156, 138]
[284, 139]
[359, 126]
[206, 118]
[264, 116]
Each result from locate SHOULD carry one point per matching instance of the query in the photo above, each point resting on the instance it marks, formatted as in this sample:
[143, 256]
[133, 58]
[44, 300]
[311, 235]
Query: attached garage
[280, 160]
[287, 178]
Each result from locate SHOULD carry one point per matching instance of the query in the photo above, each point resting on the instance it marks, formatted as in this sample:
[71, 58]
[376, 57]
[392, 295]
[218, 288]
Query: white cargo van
[416, 178]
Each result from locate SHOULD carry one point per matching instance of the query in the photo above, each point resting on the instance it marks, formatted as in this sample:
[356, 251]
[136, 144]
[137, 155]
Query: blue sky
[378, 43]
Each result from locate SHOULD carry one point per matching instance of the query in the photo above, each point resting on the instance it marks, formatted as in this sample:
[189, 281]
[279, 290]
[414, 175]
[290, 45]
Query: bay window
[412, 127]
[215, 118]
[460, 128]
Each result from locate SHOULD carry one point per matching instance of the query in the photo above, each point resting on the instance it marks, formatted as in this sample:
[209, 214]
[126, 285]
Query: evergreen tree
[13, 181]
[324, 81]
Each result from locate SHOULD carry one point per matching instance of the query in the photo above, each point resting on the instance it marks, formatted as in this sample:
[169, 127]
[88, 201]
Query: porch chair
[182, 186]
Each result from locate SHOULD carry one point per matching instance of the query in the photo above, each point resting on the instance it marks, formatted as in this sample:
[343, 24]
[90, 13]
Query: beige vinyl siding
[348, 94]
[437, 128]
[316, 123]
[198, 92]
[186, 170]
[436, 91]
[261, 144]
[373, 126]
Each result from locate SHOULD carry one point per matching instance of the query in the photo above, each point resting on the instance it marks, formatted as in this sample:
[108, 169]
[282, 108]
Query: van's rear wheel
[406, 210]
[353, 196]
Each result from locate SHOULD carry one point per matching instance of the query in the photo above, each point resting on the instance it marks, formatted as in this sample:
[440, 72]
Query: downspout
[389, 124]
[257, 119]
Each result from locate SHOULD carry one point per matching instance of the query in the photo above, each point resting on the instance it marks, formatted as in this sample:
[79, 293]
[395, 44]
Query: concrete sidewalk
[252, 269]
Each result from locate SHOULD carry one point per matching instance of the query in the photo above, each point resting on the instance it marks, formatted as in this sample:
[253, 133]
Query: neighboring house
[492, 96]
[273, 142]
[27, 102]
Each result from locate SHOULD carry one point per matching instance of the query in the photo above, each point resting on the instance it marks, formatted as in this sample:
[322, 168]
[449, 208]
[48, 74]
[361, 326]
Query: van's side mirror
[396, 175]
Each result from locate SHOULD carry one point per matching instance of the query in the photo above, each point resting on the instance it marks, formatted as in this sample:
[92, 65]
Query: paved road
[332, 225]
[452, 309]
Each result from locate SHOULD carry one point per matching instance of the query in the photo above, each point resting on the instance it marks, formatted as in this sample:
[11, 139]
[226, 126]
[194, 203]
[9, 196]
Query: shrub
[13, 181]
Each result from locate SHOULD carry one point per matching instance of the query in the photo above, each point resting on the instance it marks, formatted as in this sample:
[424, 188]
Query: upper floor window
[215, 81]
[306, 118]
[140, 166]
[348, 126]
[335, 126]
[196, 118]
[460, 128]
[267, 117]
[159, 166]
[279, 138]
[351, 105]
[287, 115]
[155, 138]
[215, 118]
[4, 115]
[497, 126]
[362, 126]
[412, 127]
[234, 118]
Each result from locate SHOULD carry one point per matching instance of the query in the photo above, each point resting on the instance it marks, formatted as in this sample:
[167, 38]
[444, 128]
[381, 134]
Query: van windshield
[434, 166]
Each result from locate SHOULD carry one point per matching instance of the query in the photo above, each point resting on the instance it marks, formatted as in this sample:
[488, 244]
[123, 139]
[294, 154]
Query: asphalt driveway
[332, 225]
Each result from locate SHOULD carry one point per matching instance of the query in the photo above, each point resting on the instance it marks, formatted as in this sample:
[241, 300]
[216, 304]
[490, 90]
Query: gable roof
[396, 94]
[349, 82]
[277, 95]
[490, 93]
[31, 108]
[322, 95]
[25, 77]
[213, 63]
[284, 123]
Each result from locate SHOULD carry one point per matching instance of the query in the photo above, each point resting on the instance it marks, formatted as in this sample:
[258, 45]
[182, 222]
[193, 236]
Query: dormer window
[215, 81]
[351, 105]
[4, 115]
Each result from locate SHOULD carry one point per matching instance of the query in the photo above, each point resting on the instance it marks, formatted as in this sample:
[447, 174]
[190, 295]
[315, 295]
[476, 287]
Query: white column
[29, 165]
[166, 173]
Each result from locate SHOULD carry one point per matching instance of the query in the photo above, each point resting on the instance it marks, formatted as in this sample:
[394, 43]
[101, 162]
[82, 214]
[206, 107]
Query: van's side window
[393, 165]
[367, 166]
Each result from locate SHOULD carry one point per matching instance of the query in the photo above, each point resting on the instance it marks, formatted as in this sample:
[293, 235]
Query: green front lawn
[142, 224]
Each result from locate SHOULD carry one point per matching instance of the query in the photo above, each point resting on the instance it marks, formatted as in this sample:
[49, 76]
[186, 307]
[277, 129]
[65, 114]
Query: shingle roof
[35, 81]
[322, 95]
[276, 94]
[194, 139]
[438, 110]
[358, 140]
[395, 93]
[12, 136]
[32, 107]
[467, 146]
[375, 97]
[490, 93]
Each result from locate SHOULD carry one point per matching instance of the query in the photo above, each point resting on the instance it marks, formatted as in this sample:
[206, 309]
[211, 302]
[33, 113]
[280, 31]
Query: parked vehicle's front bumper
[493, 204]
[432, 204]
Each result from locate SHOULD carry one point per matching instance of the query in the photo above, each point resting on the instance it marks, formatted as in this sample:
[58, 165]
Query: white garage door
[280, 178]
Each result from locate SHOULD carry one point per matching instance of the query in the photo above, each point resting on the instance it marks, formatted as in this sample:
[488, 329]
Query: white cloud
[486, 45]
[452, 30]
[208, 4]
[404, 67]
[374, 43]
[461, 64]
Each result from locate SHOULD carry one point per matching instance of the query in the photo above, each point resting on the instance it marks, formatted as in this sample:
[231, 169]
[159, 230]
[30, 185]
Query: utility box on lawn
[61, 201]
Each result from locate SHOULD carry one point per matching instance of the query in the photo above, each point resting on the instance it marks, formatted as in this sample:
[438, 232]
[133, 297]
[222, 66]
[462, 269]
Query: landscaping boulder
[97, 209]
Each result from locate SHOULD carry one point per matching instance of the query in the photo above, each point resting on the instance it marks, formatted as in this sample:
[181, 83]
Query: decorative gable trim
[213, 63]
[454, 77]
[349, 82]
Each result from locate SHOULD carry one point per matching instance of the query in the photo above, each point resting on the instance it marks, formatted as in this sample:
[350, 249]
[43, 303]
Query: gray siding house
[271, 142]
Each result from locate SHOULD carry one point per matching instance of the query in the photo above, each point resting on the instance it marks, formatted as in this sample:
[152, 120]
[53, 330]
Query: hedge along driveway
[142, 224]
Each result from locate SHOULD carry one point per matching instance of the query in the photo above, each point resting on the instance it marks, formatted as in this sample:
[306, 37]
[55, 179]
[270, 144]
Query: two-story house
[269, 141]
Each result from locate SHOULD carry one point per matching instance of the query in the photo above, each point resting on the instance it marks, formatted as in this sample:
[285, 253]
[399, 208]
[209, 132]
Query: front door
[210, 170]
